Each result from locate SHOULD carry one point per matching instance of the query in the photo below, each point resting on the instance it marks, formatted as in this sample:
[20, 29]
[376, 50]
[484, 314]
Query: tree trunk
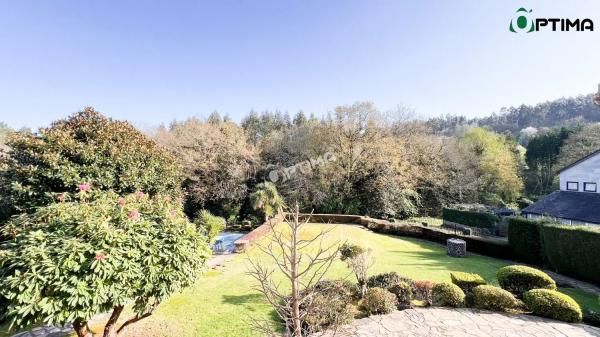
[81, 328]
[110, 329]
[294, 278]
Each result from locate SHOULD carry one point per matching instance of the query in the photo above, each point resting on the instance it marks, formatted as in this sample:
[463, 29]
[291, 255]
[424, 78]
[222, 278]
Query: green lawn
[221, 303]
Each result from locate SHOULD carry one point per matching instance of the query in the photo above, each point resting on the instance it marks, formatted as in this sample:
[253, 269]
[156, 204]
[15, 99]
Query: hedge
[573, 251]
[524, 237]
[468, 218]
[493, 298]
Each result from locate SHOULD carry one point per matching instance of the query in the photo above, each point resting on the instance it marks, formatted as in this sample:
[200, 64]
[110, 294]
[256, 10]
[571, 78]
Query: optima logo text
[524, 23]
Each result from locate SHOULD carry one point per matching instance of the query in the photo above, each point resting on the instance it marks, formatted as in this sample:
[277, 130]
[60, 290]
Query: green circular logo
[522, 23]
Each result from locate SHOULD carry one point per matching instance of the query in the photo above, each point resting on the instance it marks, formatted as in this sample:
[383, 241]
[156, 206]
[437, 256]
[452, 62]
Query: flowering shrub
[83, 152]
[71, 260]
[423, 291]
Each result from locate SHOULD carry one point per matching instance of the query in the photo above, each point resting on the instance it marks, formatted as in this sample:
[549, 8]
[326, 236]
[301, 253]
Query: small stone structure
[456, 247]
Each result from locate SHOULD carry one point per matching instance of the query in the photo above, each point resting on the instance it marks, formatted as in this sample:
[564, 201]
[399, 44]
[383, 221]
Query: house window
[589, 187]
[572, 186]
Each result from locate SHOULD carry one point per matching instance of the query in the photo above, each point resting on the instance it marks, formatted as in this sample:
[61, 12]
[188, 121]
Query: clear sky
[155, 61]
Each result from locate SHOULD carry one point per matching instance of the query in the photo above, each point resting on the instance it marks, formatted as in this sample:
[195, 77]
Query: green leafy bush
[573, 251]
[552, 304]
[524, 237]
[378, 301]
[494, 298]
[423, 290]
[331, 305]
[466, 281]
[84, 148]
[383, 280]
[468, 218]
[519, 279]
[97, 254]
[404, 294]
[349, 251]
[447, 295]
[209, 224]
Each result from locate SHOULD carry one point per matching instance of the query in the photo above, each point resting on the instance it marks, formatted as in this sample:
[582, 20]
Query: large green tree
[579, 145]
[84, 148]
[497, 165]
[98, 252]
[542, 157]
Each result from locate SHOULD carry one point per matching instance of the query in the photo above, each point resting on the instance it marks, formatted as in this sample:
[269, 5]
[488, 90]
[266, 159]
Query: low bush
[524, 237]
[573, 250]
[423, 291]
[519, 279]
[378, 301]
[494, 298]
[552, 304]
[210, 225]
[331, 305]
[466, 281]
[447, 295]
[384, 280]
[468, 218]
[349, 251]
[403, 292]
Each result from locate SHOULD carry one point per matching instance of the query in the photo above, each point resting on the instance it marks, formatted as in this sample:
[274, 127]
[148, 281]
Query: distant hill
[559, 112]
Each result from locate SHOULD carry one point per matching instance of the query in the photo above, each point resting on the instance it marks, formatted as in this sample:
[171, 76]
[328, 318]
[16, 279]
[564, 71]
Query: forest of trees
[381, 164]
[525, 121]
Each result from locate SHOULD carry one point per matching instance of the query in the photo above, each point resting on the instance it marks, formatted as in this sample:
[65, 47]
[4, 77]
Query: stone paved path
[438, 322]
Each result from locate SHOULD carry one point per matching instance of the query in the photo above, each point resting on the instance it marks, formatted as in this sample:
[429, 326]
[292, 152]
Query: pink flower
[100, 256]
[133, 215]
[84, 187]
[121, 201]
[140, 194]
[173, 214]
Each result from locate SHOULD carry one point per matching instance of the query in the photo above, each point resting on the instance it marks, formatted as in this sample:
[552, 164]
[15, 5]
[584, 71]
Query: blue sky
[155, 61]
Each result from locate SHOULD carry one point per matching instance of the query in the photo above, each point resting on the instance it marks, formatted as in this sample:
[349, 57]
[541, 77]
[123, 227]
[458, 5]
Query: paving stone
[446, 322]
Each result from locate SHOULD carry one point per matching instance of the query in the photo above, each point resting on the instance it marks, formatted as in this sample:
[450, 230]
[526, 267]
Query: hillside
[559, 112]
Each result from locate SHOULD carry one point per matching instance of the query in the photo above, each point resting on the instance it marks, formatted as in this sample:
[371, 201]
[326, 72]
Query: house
[578, 200]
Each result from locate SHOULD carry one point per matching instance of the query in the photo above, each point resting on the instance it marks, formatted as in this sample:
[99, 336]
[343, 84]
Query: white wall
[587, 171]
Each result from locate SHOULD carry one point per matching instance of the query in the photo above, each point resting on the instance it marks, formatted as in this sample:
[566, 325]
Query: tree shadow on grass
[249, 303]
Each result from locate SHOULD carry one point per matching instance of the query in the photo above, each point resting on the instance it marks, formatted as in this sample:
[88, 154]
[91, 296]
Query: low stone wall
[495, 247]
[242, 244]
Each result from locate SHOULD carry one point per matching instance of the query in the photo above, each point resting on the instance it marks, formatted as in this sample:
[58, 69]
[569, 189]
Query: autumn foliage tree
[95, 252]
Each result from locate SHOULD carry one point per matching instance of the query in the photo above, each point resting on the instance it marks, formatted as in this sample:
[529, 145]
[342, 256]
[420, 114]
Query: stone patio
[446, 322]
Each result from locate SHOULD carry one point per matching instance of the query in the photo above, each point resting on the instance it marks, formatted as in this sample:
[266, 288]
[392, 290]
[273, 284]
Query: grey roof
[580, 206]
[579, 161]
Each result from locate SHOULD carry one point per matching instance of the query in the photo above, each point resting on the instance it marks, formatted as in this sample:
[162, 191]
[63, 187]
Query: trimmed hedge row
[573, 251]
[525, 241]
[468, 218]
[569, 250]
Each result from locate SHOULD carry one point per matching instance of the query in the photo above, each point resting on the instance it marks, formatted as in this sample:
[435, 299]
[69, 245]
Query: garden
[103, 230]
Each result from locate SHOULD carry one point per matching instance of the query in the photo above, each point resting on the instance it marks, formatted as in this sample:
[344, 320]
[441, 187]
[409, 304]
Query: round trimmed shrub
[403, 292]
[447, 295]
[552, 304]
[331, 305]
[494, 298]
[384, 280]
[466, 281]
[378, 301]
[519, 279]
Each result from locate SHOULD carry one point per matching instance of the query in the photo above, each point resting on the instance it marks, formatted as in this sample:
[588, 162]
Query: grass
[435, 222]
[221, 302]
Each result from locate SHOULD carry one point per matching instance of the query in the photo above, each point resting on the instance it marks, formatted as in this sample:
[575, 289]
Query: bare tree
[301, 270]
